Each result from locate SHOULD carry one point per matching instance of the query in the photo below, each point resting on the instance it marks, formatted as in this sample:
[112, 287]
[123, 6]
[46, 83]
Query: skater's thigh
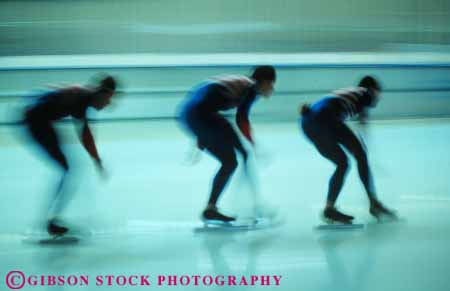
[347, 138]
[322, 135]
[331, 150]
[223, 152]
[44, 134]
[229, 133]
[214, 130]
[216, 135]
[221, 139]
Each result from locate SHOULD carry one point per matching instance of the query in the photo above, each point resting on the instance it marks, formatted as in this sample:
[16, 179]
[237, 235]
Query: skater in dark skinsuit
[55, 105]
[200, 115]
[323, 124]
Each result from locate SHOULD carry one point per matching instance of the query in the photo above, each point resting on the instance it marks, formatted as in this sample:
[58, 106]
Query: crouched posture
[323, 124]
[200, 115]
[53, 106]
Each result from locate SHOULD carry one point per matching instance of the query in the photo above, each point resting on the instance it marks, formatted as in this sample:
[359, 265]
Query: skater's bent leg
[365, 174]
[336, 182]
[231, 136]
[46, 137]
[349, 140]
[63, 195]
[210, 133]
[322, 135]
[335, 154]
[227, 157]
[338, 157]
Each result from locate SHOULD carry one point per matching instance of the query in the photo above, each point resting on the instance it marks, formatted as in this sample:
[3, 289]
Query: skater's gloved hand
[263, 156]
[244, 155]
[101, 170]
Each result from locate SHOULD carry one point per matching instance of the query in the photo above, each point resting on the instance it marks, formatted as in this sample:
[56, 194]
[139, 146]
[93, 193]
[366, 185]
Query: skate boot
[213, 216]
[379, 211]
[332, 215]
[56, 230]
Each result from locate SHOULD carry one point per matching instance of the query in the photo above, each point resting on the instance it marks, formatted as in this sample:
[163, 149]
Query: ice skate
[56, 230]
[57, 235]
[331, 216]
[214, 217]
[379, 211]
[336, 220]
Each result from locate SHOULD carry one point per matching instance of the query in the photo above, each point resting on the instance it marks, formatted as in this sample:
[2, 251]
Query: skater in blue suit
[323, 124]
[200, 114]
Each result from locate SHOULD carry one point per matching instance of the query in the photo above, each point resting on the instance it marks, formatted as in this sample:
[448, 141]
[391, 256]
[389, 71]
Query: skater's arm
[363, 117]
[242, 119]
[88, 142]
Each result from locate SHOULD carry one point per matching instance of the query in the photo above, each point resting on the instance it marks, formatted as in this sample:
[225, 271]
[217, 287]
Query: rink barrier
[155, 91]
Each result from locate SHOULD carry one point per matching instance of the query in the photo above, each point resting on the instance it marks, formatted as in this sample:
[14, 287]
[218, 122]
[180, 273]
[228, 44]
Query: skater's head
[265, 77]
[374, 88]
[104, 92]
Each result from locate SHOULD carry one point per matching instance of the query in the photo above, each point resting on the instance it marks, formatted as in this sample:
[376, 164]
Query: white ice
[141, 219]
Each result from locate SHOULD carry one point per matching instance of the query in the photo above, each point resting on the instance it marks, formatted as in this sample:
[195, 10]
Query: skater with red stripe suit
[323, 124]
[54, 105]
[201, 116]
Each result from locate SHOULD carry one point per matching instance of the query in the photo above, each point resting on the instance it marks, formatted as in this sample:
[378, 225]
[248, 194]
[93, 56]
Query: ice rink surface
[140, 221]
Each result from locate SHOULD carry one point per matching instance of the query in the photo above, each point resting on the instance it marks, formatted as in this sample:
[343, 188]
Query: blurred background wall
[162, 48]
[38, 27]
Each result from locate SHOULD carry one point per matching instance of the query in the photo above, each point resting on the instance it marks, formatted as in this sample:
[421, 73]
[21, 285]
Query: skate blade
[216, 223]
[387, 218]
[331, 224]
[60, 239]
[330, 221]
[52, 240]
[239, 225]
[340, 226]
